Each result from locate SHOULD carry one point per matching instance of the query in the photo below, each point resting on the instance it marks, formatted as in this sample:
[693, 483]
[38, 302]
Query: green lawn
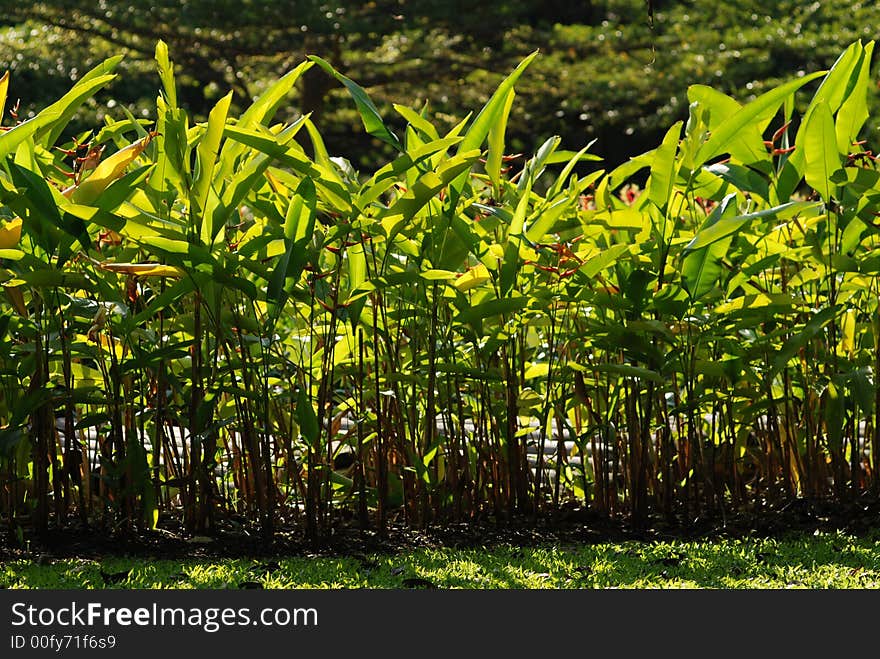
[834, 560]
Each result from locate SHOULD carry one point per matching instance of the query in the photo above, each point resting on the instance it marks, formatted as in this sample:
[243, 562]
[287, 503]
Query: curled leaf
[10, 233]
[143, 269]
[473, 277]
[106, 172]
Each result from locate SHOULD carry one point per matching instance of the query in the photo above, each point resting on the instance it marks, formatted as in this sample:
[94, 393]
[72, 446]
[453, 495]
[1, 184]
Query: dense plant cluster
[209, 319]
[605, 70]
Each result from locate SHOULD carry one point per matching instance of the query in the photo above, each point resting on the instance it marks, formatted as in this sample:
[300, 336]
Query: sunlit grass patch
[833, 560]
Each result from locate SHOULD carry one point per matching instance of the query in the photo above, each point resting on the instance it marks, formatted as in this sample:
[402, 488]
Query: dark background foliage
[607, 71]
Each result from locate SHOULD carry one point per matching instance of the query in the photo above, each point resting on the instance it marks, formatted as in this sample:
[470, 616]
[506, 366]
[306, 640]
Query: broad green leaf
[103, 69]
[833, 91]
[294, 158]
[206, 159]
[514, 239]
[546, 219]
[260, 112]
[490, 113]
[491, 309]
[172, 163]
[307, 419]
[766, 104]
[742, 178]
[357, 265]
[417, 121]
[425, 188]
[793, 345]
[369, 113]
[37, 208]
[487, 118]
[322, 157]
[264, 108]
[243, 180]
[55, 116]
[853, 113]
[560, 181]
[626, 370]
[496, 142]
[822, 160]
[390, 174]
[605, 259]
[300, 220]
[748, 145]
[662, 178]
[52, 278]
[726, 227]
[701, 268]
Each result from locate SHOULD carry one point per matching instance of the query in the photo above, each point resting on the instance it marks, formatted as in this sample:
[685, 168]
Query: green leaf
[166, 73]
[853, 113]
[426, 187]
[546, 219]
[701, 268]
[766, 104]
[102, 70]
[417, 121]
[822, 160]
[626, 370]
[206, 159]
[369, 113]
[300, 220]
[560, 181]
[488, 117]
[833, 91]
[862, 390]
[662, 178]
[322, 157]
[793, 345]
[742, 178]
[391, 173]
[496, 141]
[835, 415]
[307, 419]
[491, 309]
[604, 259]
[56, 116]
[243, 180]
[726, 227]
[260, 112]
[293, 157]
[514, 240]
[747, 146]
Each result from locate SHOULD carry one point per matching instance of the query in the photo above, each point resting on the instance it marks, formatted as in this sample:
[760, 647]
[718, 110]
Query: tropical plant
[214, 320]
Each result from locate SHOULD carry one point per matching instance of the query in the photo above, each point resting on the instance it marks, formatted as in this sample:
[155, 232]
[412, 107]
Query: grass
[827, 560]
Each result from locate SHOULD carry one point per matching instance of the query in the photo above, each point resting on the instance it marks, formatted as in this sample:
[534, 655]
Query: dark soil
[232, 539]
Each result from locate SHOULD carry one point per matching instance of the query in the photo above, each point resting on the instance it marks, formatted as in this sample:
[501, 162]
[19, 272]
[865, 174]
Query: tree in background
[606, 71]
